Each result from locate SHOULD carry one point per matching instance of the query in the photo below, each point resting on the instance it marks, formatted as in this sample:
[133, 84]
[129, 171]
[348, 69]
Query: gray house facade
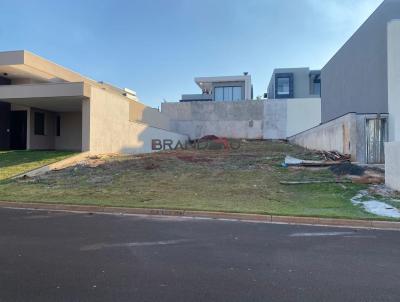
[356, 78]
[355, 93]
[294, 83]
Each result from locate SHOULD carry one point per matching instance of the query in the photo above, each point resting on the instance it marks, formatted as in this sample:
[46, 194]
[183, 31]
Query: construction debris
[292, 161]
[347, 169]
[307, 182]
[334, 156]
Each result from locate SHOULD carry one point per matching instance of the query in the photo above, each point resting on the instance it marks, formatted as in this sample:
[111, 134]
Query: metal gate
[377, 135]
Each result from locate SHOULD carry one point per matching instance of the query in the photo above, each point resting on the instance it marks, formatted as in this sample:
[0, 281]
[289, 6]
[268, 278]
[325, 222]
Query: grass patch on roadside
[245, 180]
[16, 162]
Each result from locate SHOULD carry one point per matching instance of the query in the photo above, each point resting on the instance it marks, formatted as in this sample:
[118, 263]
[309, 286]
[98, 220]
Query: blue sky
[157, 47]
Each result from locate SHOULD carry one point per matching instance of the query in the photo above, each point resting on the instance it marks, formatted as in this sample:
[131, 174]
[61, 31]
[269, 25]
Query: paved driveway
[80, 257]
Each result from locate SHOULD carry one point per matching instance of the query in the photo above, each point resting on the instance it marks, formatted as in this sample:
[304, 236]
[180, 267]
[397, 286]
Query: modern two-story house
[46, 106]
[223, 88]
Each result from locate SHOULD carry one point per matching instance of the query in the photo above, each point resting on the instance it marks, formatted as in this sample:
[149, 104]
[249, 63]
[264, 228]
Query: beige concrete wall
[242, 119]
[86, 125]
[302, 114]
[70, 131]
[48, 90]
[50, 70]
[111, 130]
[141, 113]
[41, 142]
[12, 57]
[267, 119]
[338, 135]
[275, 119]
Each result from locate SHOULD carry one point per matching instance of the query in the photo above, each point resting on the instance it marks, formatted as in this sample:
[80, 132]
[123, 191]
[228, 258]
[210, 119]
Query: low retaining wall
[346, 134]
[264, 119]
[392, 165]
[337, 135]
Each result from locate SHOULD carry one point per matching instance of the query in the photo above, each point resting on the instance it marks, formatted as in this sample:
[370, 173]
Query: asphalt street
[59, 256]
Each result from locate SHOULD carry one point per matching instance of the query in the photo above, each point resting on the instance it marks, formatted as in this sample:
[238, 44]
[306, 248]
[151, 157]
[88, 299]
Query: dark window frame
[223, 93]
[58, 125]
[289, 76]
[315, 79]
[39, 123]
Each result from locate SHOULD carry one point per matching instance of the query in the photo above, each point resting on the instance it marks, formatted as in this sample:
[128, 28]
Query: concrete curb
[369, 224]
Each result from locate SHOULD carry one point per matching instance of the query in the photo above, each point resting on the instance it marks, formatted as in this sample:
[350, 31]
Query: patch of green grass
[245, 180]
[16, 162]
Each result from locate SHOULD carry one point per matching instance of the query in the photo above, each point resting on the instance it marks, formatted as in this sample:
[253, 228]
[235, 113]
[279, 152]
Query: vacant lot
[16, 162]
[243, 180]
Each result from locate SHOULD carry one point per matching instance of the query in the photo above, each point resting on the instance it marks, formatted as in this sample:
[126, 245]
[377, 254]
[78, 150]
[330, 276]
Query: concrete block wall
[275, 119]
[228, 119]
[265, 119]
[141, 113]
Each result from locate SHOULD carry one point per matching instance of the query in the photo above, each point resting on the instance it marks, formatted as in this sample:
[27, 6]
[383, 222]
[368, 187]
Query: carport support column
[86, 125]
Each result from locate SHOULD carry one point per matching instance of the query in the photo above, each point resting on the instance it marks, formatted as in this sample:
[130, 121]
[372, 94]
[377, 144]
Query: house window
[58, 126]
[228, 93]
[316, 85]
[39, 123]
[283, 86]
[219, 94]
[237, 93]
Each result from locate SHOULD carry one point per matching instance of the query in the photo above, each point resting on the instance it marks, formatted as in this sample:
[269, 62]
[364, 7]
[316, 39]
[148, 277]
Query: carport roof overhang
[22, 64]
[60, 97]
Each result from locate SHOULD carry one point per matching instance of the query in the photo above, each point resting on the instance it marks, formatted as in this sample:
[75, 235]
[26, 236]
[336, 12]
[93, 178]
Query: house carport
[47, 116]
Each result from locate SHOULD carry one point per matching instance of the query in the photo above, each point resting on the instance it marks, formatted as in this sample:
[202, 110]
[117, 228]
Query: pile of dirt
[347, 169]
